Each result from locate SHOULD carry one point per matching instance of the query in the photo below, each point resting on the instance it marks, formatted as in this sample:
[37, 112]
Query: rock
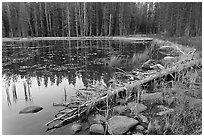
[99, 119]
[76, 127]
[120, 109]
[153, 97]
[118, 125]
[170, 50]
[137, 133]
[96, 129]
[143, 118]
[170, 59]
[136, 107]
[31, 109]
[139, 127]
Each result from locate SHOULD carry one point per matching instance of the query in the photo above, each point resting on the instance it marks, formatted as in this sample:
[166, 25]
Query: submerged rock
[96, 129]
[136, 107]
[76, 127]
[31, 109]
[118, 125]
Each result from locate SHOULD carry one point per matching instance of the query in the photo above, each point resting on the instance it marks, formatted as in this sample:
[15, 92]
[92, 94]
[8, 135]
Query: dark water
[39, 72]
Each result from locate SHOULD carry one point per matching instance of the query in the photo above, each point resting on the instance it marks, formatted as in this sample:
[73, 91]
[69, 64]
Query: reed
[139, 58]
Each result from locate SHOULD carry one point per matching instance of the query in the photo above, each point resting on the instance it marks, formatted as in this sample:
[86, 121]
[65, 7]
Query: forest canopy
[69, 19]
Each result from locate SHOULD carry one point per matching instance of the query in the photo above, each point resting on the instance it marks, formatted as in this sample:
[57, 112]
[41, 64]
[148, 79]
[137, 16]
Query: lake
[45, 72]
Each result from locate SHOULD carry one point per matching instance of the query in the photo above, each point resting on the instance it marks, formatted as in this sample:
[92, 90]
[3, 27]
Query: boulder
[96, 129]
[170, 50]
[76, 127]
[118, 125]
[31, 109]
[136, 107]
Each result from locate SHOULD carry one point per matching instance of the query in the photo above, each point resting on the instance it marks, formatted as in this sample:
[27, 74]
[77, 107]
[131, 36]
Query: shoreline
[123, 38]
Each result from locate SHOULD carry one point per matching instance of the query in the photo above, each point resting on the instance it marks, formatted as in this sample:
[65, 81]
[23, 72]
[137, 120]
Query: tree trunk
[76, 19]
[68, 23]
[110, 25]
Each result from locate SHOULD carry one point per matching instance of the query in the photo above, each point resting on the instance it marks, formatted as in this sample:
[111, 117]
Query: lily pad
[31, 109]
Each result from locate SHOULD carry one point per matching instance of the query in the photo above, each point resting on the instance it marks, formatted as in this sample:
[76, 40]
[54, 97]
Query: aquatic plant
[139, 58]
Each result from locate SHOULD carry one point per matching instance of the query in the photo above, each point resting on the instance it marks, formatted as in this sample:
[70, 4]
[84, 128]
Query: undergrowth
[187, 116]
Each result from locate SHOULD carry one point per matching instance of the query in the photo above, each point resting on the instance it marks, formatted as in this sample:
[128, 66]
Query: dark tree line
[37, 19]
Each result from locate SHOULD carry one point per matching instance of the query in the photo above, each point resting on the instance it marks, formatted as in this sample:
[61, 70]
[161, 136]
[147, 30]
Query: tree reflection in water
[53, 61]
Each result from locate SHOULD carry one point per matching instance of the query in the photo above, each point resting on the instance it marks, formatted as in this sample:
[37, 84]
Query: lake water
[39, 73]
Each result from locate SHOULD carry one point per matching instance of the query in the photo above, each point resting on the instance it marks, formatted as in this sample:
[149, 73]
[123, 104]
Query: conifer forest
[65, 19]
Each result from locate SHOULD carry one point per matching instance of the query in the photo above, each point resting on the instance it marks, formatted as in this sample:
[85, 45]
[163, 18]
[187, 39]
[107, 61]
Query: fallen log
[162, 73]
[127, 88]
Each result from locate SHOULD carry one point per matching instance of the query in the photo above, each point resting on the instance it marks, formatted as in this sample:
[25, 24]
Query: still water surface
[39, 73]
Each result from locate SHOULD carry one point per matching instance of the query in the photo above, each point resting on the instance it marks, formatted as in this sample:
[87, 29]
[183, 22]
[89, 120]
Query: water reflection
[15, 97]
[8, 96]
[53, 61]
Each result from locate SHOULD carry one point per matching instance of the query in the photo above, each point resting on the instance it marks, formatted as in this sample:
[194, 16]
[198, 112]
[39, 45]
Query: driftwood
[89, 105]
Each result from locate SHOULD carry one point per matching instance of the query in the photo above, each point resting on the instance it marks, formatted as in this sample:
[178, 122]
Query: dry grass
[139, 58]
[187, 117]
